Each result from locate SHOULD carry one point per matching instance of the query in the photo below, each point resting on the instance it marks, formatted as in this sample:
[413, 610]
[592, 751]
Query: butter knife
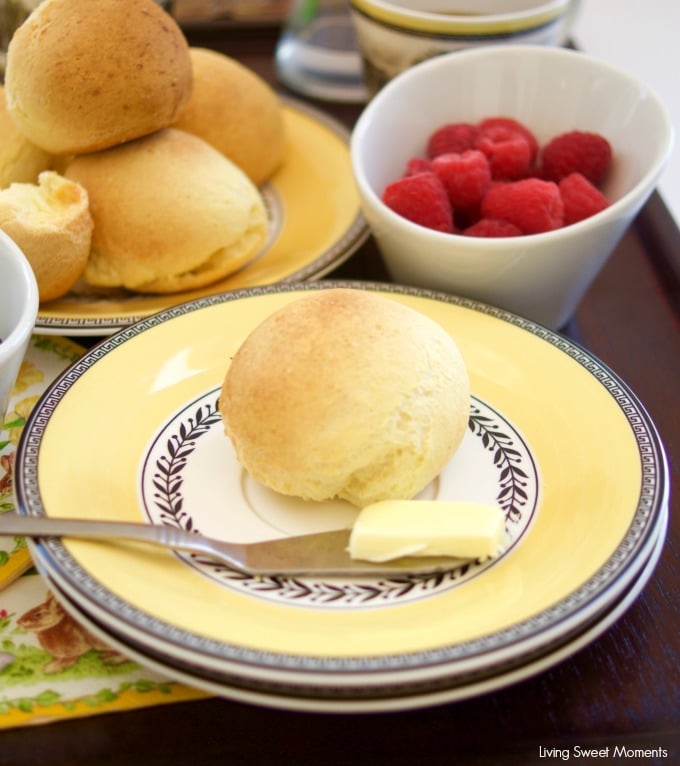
[320, 553]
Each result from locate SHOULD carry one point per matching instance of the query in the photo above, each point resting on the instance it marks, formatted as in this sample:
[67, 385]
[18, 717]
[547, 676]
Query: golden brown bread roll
[236, 111]
[83, 76]
[51, 224]
[170, 213]
[345, 393]
[20, 160]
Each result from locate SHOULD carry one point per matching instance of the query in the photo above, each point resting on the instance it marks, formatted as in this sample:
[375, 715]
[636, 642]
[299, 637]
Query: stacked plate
[131, 432]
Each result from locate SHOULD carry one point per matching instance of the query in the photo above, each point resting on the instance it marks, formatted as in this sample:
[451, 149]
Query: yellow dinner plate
[131, 432]
[315, 225]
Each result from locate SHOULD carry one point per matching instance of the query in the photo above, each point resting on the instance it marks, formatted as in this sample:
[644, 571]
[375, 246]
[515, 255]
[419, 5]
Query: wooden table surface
[621, 690]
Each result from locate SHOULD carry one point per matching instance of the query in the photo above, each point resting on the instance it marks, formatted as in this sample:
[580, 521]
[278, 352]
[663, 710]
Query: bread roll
[345, 393]
[20, 160]
[51, 224]
[84, 76]
[236, 111]
[170, 213]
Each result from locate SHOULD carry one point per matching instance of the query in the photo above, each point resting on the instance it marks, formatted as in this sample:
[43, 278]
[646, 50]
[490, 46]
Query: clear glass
[317, 53]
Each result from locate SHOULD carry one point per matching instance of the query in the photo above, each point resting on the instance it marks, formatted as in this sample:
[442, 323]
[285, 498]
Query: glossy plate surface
[130, 432]
[315, 225]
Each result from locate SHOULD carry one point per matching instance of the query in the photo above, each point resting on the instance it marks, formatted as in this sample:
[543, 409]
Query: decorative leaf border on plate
[517, 484]
[168, 478]
[513, 479]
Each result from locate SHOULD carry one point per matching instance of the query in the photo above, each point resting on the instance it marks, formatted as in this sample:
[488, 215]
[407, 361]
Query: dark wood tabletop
[621, 690]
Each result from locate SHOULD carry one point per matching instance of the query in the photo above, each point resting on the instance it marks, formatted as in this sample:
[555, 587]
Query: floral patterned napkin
[51, 667]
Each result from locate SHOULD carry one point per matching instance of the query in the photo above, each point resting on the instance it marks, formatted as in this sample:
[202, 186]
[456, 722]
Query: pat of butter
[394, 528]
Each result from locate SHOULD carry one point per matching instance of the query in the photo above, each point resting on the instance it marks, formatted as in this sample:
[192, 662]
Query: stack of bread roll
[127, 158]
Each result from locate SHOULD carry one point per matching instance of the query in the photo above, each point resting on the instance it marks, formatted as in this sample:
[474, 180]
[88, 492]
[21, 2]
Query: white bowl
[552, 90]
[18, 312]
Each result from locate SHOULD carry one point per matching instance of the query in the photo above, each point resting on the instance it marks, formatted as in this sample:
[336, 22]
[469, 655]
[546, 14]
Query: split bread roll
[344, 393]
[51, 224]
[84, 76]
[236, 111]
[170, 214]
[20, 160]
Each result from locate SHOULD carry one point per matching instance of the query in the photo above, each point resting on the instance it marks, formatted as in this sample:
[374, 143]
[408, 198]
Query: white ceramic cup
[393, 35]
[18, 312]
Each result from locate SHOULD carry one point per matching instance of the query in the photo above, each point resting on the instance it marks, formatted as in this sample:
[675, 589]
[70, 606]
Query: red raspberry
[580, 198]
[576, 152]
[453, 137]
[531, 204]
[509, 159]
[492, 227]
[422, 199]
[466, 177]
[417, 165]
[505, 128]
